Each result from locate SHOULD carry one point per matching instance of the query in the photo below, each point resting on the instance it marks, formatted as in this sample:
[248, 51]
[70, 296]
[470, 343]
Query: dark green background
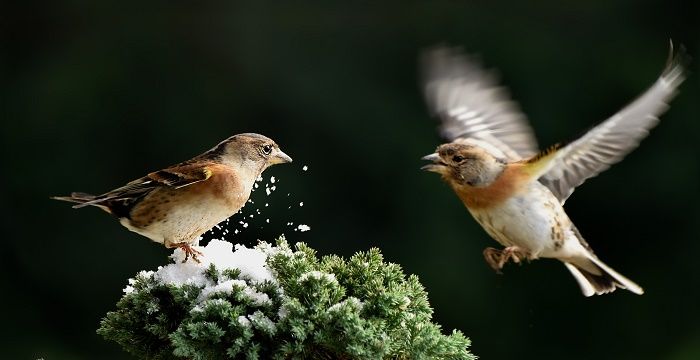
[96, 94]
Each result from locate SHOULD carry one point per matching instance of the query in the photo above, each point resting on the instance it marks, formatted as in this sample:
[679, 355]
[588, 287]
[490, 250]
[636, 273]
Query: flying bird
[515, 192]
[175, 205]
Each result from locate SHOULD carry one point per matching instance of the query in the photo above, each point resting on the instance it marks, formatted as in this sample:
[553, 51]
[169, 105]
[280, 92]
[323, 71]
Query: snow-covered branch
[278, 302]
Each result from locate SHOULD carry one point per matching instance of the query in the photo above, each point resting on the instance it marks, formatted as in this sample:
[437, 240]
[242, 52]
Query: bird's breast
[512, 181]
[531, 219]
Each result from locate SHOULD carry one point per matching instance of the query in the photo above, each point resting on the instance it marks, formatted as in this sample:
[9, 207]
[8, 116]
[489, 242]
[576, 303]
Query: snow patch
[250, 262]
[318, 275]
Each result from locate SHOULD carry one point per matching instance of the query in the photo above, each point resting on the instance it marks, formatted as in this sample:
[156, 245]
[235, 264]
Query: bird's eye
[457, 158]
[266, 149]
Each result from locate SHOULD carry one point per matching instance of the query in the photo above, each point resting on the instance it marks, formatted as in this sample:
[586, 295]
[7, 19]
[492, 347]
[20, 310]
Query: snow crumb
[303, 227]
[224, 287]
[317, 275]
[304, 168]
[261, 321]
[353, 301]
[301, 203]
[143, 273]
[216, 302]
[244, 321]
[272, 179]
[257, 298]
[282, 312]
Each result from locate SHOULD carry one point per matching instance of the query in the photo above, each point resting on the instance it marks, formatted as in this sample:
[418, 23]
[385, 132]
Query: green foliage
[328, 308]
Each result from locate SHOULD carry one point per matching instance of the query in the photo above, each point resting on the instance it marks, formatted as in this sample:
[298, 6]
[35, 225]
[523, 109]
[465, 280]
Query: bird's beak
[436, 166]
[280, 158]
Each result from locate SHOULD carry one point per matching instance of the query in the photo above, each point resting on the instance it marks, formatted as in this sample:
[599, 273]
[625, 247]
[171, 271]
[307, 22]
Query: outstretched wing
[471, 105]
[609, 142]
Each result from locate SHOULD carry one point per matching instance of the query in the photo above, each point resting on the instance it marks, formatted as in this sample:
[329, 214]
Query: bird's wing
[471, 105]
[181, 176]
[610, 141]
[176, 176]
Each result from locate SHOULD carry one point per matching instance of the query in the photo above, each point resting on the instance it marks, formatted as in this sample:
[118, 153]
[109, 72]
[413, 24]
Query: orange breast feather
[509, 183]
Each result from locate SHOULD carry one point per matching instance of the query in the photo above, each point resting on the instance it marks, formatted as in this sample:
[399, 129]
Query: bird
[513, 190]
[177, 204]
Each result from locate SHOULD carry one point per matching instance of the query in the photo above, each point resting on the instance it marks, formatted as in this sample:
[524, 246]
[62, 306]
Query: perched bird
[176, 205]
[515, 192]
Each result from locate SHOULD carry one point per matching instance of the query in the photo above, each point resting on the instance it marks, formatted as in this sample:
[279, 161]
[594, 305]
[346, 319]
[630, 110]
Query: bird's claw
[190, 251]
[493, 258]
[499, 258]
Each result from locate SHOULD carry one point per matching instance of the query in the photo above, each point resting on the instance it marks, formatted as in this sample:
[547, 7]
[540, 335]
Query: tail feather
[82, 200]
[596, 278]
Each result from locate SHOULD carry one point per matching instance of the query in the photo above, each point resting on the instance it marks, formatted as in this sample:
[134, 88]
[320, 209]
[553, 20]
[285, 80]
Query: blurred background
[96, 94]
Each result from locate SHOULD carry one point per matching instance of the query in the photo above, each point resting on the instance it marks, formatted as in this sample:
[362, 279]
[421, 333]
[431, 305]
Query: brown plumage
[175, 205]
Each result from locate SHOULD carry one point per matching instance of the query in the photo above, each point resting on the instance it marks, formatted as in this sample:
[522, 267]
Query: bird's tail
[82, 200]
[596, 278]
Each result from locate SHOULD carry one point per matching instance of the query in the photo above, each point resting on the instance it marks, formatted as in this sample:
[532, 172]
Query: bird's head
[463, 164]
[250, 151]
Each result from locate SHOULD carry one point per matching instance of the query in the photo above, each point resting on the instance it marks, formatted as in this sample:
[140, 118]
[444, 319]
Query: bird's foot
[189, 251]
[499, 258]
[493, 258]
[513, 253]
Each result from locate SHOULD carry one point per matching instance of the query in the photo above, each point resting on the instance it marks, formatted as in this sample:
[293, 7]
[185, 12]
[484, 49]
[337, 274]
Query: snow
[353, 301]
[303, 227]
[282, 312]
[258, 298]
[261, 321]
[225, 287]
[304, 168]
[250, 262]
[317, 275]
[179, 274]
[244, 321]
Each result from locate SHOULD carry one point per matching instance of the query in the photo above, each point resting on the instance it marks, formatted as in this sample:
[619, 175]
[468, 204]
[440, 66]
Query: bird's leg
[189, 251]
[493, 257]
[512, 252]
[499, 258]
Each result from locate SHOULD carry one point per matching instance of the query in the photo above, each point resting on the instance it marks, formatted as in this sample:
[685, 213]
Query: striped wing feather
[609, 142]
[471, 105]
